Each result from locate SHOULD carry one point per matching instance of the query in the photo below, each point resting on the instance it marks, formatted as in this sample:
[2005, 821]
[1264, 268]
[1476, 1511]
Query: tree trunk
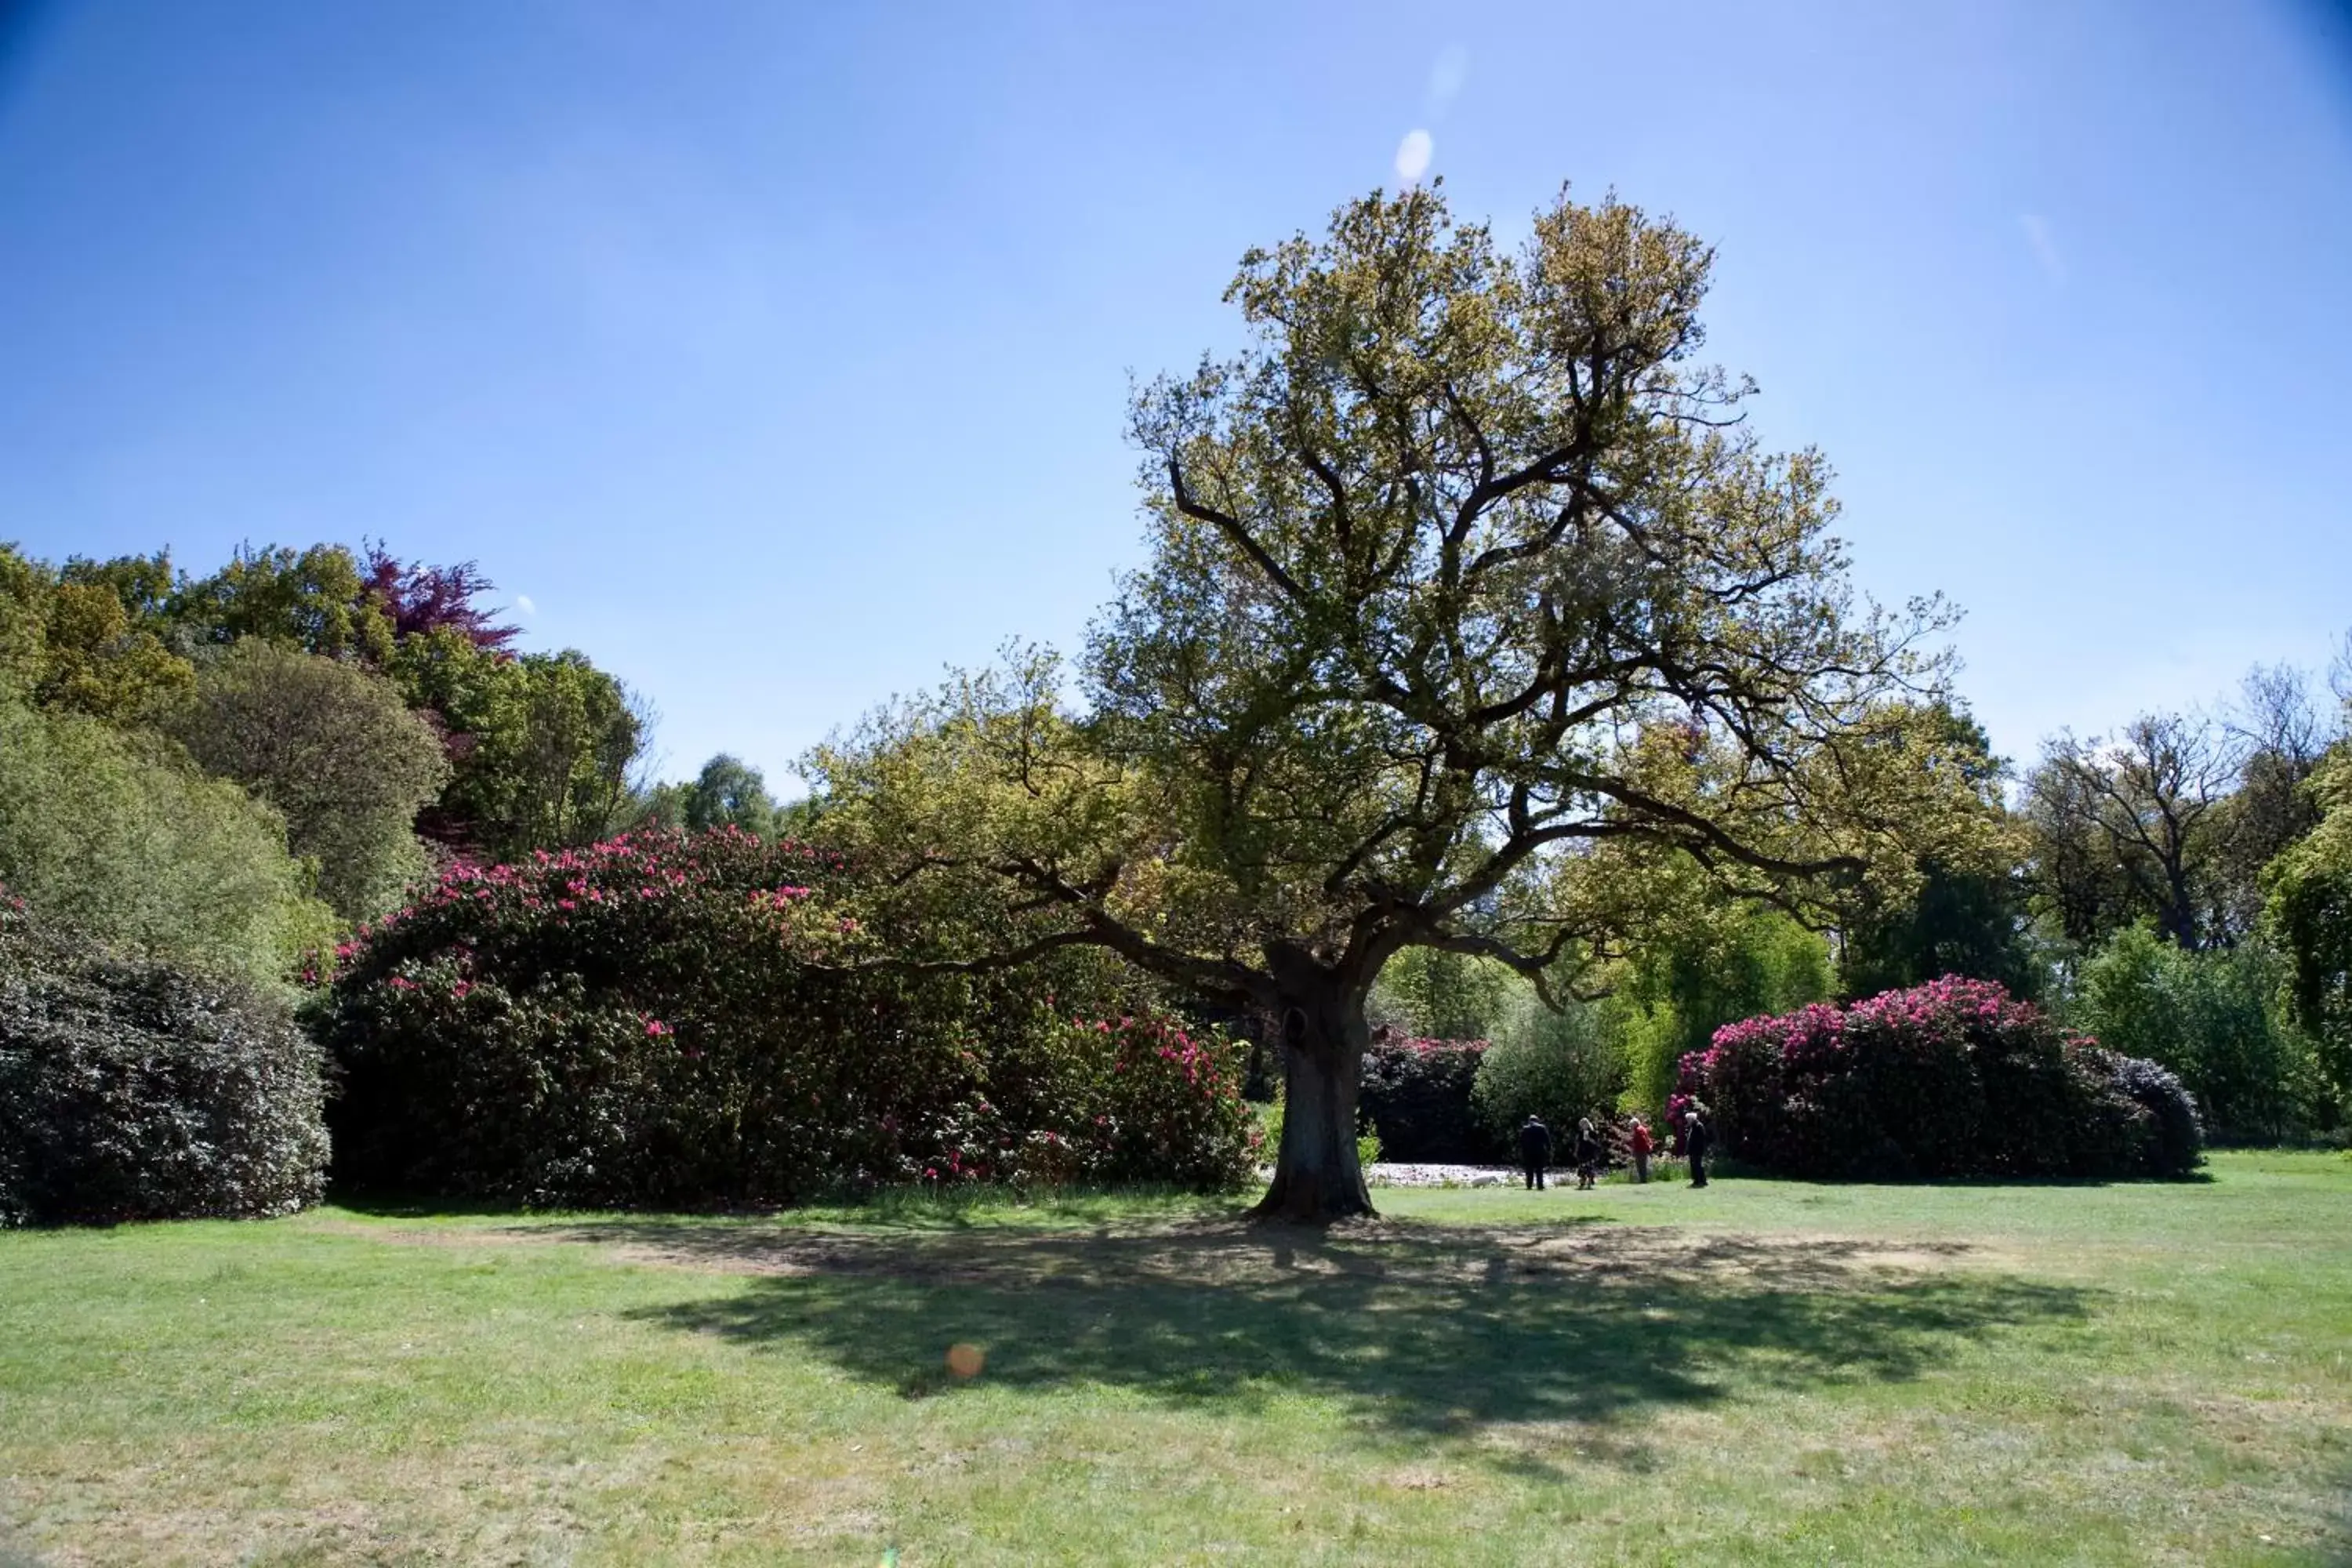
[1316, 1177]
[2179, 914]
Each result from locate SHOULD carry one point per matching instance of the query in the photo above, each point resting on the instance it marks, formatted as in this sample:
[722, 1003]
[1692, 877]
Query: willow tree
[1465, 580]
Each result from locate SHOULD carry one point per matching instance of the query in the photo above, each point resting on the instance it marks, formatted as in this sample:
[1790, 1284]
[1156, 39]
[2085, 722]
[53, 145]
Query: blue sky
[778, 355]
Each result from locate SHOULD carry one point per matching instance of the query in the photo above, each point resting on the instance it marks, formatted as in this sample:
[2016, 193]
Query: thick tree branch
[1231, 527]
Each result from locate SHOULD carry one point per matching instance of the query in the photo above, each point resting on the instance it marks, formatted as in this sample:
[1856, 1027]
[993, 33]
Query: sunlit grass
[1765, 1371]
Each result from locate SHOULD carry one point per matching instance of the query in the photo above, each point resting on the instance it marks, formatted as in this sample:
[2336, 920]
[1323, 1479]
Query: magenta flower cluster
[593, 881]
[1956, 1076]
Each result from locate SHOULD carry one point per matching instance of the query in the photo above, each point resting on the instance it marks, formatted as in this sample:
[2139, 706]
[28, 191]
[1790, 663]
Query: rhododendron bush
[668, 1019]
[135, 1089]
[1952, 1078]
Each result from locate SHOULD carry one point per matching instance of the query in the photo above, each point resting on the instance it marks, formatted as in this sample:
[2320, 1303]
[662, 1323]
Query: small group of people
[1535, 1152]
[1590, 1154]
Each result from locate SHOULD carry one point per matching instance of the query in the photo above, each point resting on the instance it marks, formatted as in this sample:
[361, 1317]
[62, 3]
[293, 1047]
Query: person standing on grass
[1638, 1143]
[1535, 1151]
[1697, 1137]
[1587, 1153]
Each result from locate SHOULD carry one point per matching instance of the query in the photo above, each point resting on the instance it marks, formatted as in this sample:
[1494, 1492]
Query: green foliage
[1649, 1038]
[542, 745]
[1965, 912]
[2214, 1019]
[1547, 1062]
[130, 1088]
[661, 1020]
[316, 599]
[729, 793]
[68, 643]
[1951, 1078]
[1707, 963]
[1967, 922]
[2282, 727]
[334, 749]
[115, 833]
[24, 623]
[147, 586]
[1436, 994]
[2272, 809]
[2310, 912]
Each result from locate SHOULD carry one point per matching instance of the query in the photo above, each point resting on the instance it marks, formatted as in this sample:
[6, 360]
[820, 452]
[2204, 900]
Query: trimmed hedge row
[1952, 1078]
[134, 1090]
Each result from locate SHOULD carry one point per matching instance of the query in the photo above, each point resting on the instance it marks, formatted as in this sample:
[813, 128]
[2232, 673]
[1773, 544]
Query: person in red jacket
[1639, 1144]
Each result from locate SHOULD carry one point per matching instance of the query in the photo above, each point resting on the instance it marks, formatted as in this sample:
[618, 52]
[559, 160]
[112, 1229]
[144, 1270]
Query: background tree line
[2180, 890]
[230, 768]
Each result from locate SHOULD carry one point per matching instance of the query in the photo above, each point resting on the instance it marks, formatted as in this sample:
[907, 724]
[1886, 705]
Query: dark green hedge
[134, 1090]
[1416, 1094]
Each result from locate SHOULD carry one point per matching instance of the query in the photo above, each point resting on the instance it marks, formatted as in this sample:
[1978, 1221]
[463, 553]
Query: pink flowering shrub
[1951, 1078]
[661, 1020]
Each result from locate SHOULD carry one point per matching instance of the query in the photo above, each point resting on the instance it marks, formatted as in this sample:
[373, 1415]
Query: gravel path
[1394, 1173]
[1390, 1173]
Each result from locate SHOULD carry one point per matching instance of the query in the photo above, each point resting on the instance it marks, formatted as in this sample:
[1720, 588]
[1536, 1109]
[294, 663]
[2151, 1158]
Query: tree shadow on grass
[905, 1206]
[2335, 1548]
[1730, 1169]
[1418, 1329]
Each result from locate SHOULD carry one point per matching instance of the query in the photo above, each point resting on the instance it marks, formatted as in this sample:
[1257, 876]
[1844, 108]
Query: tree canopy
[343, 692]
[2310, 910]
[69, 640]
[334, 749]
[115, 832]
[729, 793]
[1466, 584]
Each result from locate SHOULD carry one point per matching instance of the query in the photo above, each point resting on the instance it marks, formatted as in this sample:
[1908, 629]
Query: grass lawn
[1762, 1373]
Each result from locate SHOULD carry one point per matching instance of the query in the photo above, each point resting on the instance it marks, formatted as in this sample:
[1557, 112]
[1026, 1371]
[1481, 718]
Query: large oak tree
[1466, 586]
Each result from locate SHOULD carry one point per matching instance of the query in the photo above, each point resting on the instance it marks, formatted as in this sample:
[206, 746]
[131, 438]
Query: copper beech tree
[1468, 594]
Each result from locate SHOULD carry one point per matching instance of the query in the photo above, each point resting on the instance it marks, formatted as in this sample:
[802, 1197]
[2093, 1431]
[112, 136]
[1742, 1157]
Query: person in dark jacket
[1587, 1154]
[1535, 1151]
[1698, 1138]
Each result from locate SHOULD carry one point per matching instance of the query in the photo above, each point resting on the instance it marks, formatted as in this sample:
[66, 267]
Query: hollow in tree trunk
[1317, 1176]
